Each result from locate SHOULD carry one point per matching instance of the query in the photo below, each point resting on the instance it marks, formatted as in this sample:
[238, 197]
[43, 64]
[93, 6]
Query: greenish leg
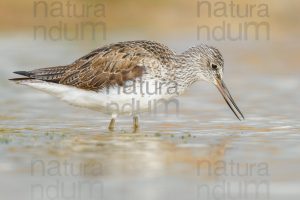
[135, 123]
[111, 125]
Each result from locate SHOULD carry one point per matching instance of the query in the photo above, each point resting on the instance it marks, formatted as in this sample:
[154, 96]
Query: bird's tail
[50, 74]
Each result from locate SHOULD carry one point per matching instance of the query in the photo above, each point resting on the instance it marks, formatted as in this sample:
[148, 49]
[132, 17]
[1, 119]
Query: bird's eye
[214, 66]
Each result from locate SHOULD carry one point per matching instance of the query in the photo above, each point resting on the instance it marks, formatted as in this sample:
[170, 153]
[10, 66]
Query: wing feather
[109, 65]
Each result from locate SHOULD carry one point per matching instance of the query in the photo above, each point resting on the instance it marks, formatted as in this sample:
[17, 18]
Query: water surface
[49, 148]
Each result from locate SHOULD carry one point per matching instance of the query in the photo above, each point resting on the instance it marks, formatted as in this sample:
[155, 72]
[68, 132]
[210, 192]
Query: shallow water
[49, 148]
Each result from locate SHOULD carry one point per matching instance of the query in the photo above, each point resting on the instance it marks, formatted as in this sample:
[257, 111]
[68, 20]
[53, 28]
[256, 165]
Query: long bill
[228, 98]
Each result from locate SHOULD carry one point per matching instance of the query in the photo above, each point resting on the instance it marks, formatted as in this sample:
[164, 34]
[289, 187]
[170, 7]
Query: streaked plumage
[86, 81]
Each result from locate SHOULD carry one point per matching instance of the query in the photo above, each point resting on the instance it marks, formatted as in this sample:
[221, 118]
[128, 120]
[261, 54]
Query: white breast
[133, 97]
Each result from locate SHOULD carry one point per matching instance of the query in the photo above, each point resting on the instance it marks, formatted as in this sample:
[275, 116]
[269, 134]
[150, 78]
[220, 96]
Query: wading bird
[100, 79]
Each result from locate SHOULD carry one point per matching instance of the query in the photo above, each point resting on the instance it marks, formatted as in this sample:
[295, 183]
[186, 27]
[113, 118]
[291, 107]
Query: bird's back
[112, 64]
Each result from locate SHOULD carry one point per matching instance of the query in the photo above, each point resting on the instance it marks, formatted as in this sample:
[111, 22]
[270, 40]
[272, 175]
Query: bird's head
[209, 66]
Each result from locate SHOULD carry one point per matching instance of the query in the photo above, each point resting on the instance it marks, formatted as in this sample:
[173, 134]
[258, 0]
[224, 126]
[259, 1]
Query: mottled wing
[110, 65]
[107, 66]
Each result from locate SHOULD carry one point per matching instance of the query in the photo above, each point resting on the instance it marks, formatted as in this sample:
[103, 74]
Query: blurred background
[50, 150]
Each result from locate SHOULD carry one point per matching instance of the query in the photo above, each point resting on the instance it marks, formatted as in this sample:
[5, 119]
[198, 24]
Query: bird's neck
[183, 73]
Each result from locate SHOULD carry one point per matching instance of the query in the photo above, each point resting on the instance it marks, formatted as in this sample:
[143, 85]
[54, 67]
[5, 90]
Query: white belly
[131, 98]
